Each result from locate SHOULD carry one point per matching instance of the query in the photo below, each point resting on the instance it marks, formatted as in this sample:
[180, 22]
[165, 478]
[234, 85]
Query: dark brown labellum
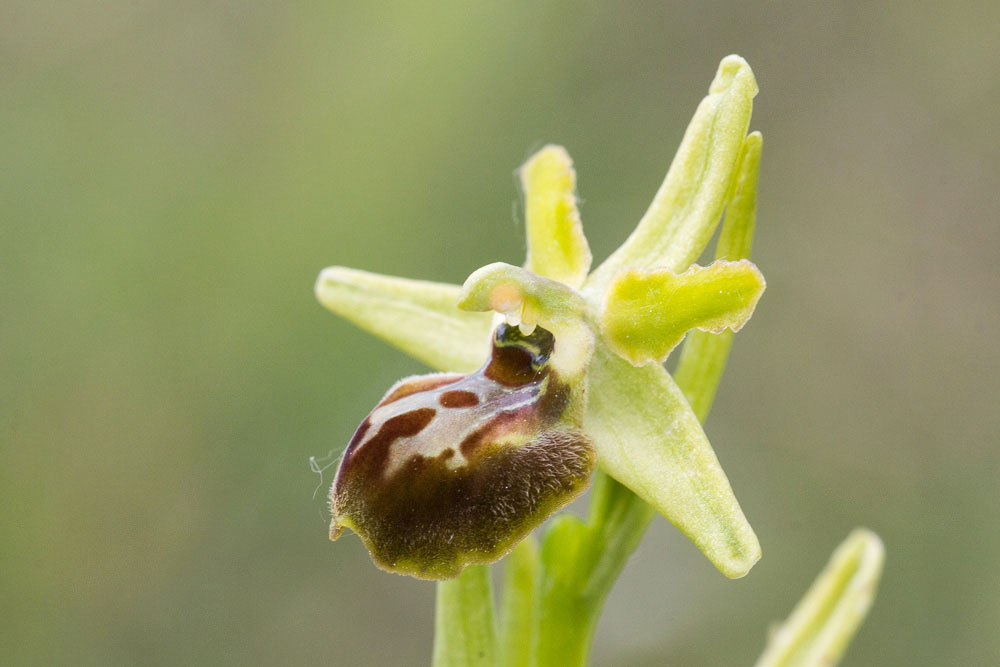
[450, 470]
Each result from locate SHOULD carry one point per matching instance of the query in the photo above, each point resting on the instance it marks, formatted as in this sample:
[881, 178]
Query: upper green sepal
[647, 313]
[557, 248]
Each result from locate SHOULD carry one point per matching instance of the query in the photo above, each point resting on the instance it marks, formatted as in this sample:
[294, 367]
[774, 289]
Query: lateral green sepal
[647, 437]
[417, 316]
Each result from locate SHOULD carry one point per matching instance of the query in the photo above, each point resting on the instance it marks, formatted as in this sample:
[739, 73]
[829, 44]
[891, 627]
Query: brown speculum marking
[458, 399]
[450, 470]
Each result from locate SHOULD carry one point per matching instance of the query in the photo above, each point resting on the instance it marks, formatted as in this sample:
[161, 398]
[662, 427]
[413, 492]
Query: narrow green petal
[519, 604]
[703, 356]
[557, 248]
[702, 363]
[647, 437]
[687, 207]
[736, 237]
[825, 620]
[647, 313]
[419, 317]
[464, 627]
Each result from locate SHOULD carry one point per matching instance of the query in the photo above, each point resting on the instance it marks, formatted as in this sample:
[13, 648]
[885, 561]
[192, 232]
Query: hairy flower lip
[453, 470]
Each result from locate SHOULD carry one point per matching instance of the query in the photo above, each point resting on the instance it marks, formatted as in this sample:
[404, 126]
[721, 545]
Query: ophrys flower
[453, 469]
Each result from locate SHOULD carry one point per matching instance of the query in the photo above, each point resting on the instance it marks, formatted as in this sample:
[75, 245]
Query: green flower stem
[464, 625]
[517, 613]
[580, 563]
[565, 615]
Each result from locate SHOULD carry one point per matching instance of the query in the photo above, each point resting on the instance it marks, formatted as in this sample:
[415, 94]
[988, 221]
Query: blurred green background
[173, 175]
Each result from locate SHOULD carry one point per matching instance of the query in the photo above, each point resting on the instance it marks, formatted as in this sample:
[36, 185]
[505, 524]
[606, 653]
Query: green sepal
[557, 248]
[685, 211]
[647, 313]
[417, 316]
[647, 437]
[823, 623]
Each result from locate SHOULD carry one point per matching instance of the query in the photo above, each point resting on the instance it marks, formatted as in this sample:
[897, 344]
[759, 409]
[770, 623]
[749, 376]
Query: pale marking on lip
[451, 426]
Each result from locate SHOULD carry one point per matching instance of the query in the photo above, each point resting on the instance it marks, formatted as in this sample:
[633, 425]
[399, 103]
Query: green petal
[647, 313]
[703, 357]
[557, 248]
[647, 437]
[736, 236]
[417, 316]
[825, 620]
[687, 207]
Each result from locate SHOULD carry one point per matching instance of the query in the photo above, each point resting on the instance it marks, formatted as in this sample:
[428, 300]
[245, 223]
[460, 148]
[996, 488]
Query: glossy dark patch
[539, 343]
[458, 399]
[518, 359]
[511, 367]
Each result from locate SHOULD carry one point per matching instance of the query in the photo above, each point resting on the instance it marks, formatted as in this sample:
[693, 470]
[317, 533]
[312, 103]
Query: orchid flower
[549, 368]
